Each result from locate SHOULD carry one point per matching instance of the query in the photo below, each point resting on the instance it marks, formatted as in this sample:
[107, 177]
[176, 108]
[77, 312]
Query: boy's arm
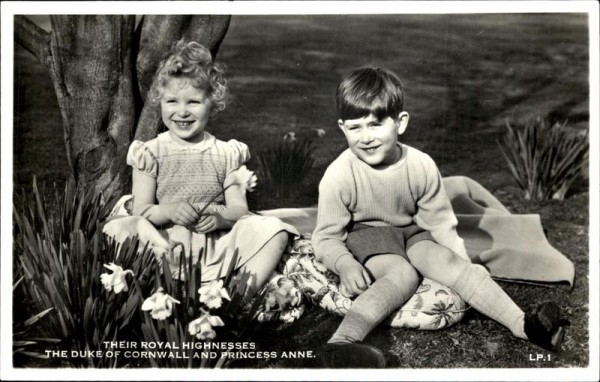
[333, 217]
[435, 212]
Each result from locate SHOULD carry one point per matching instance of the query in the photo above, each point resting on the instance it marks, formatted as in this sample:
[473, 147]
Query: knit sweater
[409, 191]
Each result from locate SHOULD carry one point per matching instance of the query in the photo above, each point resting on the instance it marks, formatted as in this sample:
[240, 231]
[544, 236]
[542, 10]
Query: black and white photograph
[314, 190]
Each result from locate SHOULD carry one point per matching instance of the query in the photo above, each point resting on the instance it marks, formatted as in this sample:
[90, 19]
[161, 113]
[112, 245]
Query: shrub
[27, 339]
[61, 250]
[287, 164]
[544, 158]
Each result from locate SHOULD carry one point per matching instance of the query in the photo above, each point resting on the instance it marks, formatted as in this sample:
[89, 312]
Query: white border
[303, 7]
[294, 7]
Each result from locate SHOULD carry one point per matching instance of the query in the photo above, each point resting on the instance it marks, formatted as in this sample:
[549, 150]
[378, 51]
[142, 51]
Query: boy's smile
[375, 141]
[185, 110]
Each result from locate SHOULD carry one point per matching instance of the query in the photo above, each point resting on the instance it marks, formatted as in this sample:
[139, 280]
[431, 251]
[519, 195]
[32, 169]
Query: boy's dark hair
[370, 90]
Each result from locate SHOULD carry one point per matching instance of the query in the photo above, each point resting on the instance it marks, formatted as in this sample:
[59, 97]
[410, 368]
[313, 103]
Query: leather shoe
[352, 355]
[545, 327]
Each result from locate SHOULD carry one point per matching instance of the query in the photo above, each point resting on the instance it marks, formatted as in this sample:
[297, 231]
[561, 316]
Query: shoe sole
[558, 338]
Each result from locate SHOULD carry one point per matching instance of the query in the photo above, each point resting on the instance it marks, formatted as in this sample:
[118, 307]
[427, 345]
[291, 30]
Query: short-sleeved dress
[196, 173]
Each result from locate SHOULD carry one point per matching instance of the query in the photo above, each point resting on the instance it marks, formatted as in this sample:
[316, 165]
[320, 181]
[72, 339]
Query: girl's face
[185, 110]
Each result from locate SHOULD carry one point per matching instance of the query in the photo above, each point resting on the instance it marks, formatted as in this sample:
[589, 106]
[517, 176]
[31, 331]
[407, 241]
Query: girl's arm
[236, 207]
[144, 204]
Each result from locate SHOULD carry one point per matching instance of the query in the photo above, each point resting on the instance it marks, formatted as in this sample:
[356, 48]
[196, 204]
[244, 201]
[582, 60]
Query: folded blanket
[511, 247]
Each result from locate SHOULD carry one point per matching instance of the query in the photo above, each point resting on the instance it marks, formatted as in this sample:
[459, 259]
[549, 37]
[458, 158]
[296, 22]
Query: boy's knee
[405, 273]
[410, 276]
[446, 258]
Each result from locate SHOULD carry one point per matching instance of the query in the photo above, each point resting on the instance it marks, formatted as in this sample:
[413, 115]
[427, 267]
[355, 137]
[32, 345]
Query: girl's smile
[185, 110]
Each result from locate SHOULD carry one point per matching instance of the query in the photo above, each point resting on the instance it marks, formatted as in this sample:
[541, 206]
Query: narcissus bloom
[115, 281]
[243, 177]
[320, 132]
[202, 327]
[213, 293]
[289, 136]
[159, 304]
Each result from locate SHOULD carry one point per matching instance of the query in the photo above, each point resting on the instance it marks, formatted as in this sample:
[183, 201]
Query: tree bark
[33, 38]
[90, 67]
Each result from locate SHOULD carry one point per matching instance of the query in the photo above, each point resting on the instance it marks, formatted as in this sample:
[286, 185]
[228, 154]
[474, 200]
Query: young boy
[384, 215]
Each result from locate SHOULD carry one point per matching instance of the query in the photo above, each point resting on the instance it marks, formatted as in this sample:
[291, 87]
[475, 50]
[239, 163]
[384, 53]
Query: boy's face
[374, 141]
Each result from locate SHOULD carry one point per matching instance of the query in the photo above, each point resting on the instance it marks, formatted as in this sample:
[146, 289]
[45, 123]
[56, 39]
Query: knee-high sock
[478, 289]
[370, 308]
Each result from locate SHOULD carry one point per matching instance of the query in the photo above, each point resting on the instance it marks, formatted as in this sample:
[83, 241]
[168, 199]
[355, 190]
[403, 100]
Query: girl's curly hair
[193, 61]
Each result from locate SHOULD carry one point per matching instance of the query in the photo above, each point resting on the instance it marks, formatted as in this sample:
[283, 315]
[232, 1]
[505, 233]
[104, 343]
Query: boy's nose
[366, 136]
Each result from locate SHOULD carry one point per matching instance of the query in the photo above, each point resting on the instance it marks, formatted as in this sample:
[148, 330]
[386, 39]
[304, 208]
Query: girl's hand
[209, 223]
[183, 213]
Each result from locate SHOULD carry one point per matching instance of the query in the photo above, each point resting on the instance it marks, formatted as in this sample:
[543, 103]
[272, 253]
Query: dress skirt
[248, 236]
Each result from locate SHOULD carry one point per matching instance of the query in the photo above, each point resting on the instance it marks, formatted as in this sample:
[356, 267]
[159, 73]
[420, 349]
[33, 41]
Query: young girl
[184, 169]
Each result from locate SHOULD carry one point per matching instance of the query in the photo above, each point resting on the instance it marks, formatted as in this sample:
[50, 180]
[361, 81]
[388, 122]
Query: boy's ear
[341, 124]
[402, 122]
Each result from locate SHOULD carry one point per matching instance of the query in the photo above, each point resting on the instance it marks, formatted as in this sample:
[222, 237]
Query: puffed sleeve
[237, 155]
[142, 159]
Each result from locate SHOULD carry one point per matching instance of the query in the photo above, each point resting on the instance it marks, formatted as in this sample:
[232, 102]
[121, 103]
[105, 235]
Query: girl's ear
[402, 122]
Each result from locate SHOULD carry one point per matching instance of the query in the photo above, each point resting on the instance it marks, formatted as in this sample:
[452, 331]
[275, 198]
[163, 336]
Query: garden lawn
[465, 75]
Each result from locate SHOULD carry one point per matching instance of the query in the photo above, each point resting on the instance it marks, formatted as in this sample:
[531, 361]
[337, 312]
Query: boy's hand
[182, 213]
[353, 276]
[209, 223]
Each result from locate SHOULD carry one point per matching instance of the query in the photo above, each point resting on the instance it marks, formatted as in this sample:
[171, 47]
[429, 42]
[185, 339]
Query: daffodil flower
[320, 132]
[282, 294]
[212, 295]
[159, 304]
[115, 281]
[289, 137]
[243, 177]
[202, 327]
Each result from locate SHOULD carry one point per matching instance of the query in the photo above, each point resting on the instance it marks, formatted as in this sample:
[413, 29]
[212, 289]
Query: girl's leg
[472, 282]
[261, 266]
[395, 282]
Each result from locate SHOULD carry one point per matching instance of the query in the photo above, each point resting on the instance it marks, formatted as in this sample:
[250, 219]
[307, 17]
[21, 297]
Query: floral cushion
[301, 279]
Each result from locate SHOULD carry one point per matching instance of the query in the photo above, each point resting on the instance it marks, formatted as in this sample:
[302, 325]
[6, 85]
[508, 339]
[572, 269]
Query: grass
[465, 77]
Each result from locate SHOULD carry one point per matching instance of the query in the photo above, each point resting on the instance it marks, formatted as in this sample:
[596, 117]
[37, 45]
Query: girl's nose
[182, 110]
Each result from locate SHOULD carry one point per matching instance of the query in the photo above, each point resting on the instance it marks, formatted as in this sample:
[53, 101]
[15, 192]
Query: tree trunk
[91, 71]
[91, 63]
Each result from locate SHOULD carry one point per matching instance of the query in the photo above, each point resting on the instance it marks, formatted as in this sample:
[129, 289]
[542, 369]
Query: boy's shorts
[364, 241]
